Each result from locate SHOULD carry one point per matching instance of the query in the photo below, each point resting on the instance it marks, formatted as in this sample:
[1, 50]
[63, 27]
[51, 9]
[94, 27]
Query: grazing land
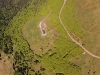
[58, 44]
[69, 28]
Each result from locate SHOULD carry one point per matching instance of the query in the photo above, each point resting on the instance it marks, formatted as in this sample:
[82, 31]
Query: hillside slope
[28, 52]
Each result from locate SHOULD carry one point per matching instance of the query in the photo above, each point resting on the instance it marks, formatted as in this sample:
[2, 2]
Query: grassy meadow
[59, 49]
[55, 53]
[89, 20]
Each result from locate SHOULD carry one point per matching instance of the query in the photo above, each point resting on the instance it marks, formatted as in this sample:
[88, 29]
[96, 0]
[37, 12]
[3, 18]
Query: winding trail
[71, 36]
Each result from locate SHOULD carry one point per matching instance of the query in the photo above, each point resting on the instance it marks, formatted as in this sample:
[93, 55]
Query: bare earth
[6, 67]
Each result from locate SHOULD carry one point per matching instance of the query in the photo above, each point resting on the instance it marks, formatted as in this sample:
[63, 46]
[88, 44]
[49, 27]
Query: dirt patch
[6, 65]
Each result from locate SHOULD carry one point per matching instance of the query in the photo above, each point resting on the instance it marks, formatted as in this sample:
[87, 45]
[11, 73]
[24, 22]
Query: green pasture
[55, 53]
[64, 49]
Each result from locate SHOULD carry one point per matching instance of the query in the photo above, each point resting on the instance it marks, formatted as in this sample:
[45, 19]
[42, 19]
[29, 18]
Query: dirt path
[71, 36]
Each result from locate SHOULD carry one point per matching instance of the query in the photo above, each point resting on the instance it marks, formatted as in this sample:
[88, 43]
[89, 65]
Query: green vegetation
[88, 15]
[70, 20]
[23, 55]
[57, 59]
[12, 41]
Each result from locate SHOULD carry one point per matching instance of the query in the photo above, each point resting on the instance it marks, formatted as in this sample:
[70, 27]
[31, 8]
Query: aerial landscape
[49, 37]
